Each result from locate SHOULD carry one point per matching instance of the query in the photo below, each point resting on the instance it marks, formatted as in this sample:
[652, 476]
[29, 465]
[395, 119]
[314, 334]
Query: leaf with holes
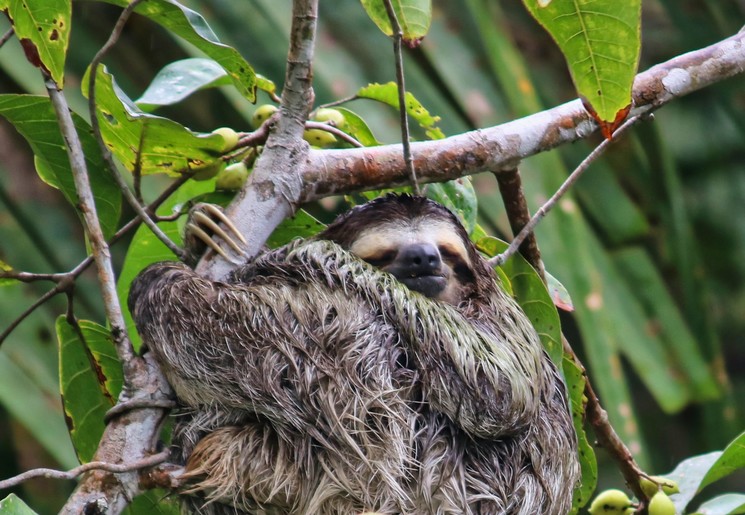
[600, 40]
[43, 28]
[90, 381]
[151, 143]
[388, 94]
[414, 17]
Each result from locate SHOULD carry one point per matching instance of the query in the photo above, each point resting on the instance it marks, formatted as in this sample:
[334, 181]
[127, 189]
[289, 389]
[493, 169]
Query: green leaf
[43, 28]
[154, 143]
[388, 94]
[358, 128]
[559, 293]
[5, 267]
[459, 197]
[191, 26]
[689, 474]
[153, 502]
[532, 295]
[731, 460]
[90, 381]
[727, 504]
[600, 40]
[34, 117]
[178, 80]
[13, 505]
[414, 17]
[302, 225]
[146, 248]
[576, 387]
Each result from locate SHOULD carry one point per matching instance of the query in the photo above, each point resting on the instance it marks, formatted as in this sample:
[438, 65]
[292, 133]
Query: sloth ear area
[205, 225]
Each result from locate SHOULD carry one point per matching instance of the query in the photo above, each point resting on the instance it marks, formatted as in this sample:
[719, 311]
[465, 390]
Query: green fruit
[319, 138]
[332, 116]
[230, 137]
[232, 178]
[610, 502]
[207, 171]
[262, 114]
[650, 487]
[660, 504]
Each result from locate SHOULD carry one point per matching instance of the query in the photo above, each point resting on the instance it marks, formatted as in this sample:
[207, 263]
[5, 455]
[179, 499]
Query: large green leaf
[90, 381]
[180, 79]
[34, 117]
[193, 28]
[153, 502]
[13, 505]
[146, 248]
[689, 474]
[459, 197]
[532, 295]
[43, 28]
[600, 40]
[154, 143]
[414, 16]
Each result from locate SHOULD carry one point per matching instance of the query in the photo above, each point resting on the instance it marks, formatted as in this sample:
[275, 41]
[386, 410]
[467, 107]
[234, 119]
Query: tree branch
[276, 183]
[344, 171]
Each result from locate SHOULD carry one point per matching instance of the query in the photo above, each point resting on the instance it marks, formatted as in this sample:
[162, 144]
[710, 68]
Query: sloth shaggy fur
[312, 382]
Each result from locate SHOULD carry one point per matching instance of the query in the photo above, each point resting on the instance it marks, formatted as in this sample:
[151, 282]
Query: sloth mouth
[428, 285]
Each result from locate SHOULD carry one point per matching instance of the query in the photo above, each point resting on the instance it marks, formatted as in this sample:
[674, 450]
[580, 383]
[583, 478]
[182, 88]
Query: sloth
[375, 367]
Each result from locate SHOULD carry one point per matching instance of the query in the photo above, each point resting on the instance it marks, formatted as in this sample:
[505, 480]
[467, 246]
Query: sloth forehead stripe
[391, 235]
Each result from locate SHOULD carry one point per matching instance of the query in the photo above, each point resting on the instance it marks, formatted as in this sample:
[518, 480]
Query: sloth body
[313, 382]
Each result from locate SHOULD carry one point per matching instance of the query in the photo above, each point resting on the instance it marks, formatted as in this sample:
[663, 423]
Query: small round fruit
[332, 116]
[650, 487]
[207, 171]
[262, 114]
[232, 178]
[661, 504]
[319, 138]
[230, 137]
[610, 502]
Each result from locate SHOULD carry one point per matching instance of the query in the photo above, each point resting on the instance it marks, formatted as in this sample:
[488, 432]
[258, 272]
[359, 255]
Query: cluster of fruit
[617, 502]
[233, 176]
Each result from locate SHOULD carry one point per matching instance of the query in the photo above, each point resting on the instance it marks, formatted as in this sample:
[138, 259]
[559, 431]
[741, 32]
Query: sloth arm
[485, 375]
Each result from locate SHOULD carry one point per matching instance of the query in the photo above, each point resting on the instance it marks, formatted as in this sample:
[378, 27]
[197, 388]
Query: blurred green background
[651, 245]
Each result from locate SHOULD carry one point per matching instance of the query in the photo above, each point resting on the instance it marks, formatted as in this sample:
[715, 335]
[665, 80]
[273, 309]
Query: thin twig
[338, 102]
[335, 131]
[516, 207]
[105, 153]
[4, 39]
[150, 461]
[87, 207]
[20, 318]
[397, 38]
[550, 203]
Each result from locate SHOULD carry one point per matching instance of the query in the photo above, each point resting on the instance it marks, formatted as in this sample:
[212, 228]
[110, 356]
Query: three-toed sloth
[375, 367]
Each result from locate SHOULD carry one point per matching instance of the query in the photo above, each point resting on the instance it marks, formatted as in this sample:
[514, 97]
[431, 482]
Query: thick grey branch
[275, 186]
[332, 172]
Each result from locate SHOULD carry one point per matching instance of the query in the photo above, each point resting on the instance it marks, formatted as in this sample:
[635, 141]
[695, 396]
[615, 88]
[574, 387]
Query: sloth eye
[449, 254]
[381, 259]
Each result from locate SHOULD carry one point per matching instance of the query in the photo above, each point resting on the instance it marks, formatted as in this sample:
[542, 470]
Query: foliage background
[651, 247]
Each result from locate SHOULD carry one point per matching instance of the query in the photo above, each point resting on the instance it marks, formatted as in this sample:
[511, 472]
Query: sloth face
[425, 255]
[416, 240]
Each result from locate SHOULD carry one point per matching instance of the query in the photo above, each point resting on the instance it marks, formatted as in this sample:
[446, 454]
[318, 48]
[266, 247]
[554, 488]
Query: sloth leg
[206, 223]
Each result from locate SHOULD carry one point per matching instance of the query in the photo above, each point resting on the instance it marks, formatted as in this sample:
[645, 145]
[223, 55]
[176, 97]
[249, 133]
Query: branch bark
[276, 184]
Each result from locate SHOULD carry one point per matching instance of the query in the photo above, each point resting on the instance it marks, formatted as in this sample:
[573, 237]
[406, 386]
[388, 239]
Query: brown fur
[311, 382]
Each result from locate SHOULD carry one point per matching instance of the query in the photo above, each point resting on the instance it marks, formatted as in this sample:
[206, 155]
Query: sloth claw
[204, 226]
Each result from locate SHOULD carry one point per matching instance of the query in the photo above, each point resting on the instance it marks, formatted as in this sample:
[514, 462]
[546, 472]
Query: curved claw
[203, 225]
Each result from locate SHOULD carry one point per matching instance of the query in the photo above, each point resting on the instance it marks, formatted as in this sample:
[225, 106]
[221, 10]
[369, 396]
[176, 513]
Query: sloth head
[416, 240]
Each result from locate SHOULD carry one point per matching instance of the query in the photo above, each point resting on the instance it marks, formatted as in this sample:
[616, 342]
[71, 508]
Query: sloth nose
[419, 259]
